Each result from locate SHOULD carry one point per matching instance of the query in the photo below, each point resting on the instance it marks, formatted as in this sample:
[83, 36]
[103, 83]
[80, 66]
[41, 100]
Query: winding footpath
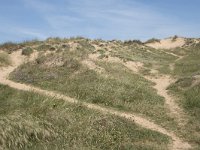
[161, 84]
[18, 59]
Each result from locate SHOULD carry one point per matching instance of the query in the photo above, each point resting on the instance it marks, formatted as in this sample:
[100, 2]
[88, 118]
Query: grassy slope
[152, 58]
[187, 88]
[190, 64]
[121, 89]
[32, 121]
[118, 87]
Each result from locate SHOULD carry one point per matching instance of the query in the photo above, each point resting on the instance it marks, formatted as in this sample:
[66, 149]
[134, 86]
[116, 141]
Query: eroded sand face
[167, 43]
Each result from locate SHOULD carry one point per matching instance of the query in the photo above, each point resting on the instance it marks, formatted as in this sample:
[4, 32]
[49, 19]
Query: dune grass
[118, 87]
[32, 121]
[188, 66]
[187, 88]
[189, 100]
[4, 59]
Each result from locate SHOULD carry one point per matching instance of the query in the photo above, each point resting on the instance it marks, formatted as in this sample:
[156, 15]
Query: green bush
[27, 51]
[133, 42]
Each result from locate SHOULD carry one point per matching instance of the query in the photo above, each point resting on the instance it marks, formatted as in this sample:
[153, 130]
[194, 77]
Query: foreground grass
[32, 121]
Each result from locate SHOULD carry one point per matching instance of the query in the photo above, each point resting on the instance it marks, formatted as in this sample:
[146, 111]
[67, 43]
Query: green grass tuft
[4, 59]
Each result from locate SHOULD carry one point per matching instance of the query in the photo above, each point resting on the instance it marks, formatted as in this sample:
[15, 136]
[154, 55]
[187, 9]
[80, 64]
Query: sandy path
[18, 60]
[170, 53]
[161, 84]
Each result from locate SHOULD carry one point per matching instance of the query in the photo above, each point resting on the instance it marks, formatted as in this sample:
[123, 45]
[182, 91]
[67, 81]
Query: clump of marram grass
[4, 59]
[27, 51]
[32, 121]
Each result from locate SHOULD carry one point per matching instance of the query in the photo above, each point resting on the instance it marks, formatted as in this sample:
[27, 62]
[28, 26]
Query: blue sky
[107, 19]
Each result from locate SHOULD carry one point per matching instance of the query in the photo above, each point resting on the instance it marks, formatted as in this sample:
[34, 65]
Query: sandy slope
[167, 43]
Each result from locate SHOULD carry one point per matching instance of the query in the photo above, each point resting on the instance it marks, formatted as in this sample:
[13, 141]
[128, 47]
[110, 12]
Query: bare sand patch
[168, 43]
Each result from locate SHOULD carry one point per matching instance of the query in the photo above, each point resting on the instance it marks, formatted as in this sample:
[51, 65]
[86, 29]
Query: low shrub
[174, 38]
[132, 42]
[27, 51]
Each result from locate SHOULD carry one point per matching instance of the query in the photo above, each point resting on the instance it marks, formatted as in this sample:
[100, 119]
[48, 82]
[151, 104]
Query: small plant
[101, 51]
[52, 49]
[27, 51]
[174, 38]
[40, 60]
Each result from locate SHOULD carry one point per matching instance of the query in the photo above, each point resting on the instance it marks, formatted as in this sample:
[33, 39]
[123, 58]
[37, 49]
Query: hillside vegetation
[158, 81]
